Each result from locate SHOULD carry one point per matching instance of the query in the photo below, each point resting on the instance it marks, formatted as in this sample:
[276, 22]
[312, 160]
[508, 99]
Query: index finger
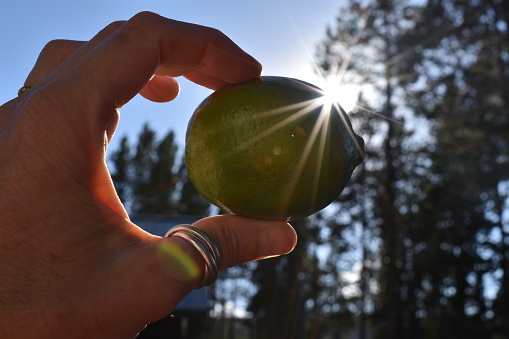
[148, 43]
[120, 65]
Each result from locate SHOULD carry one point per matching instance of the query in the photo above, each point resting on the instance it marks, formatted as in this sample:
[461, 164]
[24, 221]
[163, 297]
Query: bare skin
[73, 265]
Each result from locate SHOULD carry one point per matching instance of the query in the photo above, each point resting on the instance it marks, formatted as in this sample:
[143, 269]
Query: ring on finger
[23, 90]
[205, 246]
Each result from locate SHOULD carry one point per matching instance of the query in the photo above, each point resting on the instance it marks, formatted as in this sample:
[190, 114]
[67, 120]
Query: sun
[344, 94]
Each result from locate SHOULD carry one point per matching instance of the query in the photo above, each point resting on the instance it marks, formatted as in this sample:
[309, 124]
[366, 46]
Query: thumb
[241, 239]
[162, 280]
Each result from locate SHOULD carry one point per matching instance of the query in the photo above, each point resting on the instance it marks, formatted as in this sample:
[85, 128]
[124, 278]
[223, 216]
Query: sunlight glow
[344, 94]
[305, 108]
[183, 266]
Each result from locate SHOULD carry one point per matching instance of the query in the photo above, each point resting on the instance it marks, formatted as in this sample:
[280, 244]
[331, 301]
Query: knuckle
[55, 51]
[214, 35]
[233, 247]
[144, 18]
[217, 33]
[112, 27]
[137, 27]
[54, 46]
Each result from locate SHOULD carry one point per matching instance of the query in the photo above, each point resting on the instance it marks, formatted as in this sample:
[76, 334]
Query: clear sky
[281, 34]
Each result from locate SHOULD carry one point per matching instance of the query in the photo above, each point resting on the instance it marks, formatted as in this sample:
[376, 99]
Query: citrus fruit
[271, 148]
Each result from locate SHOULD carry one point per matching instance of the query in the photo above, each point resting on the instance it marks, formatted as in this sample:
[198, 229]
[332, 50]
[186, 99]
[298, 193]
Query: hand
[73, 265]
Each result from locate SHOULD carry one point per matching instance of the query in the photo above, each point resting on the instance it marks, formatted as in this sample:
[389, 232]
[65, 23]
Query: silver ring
[205, 246]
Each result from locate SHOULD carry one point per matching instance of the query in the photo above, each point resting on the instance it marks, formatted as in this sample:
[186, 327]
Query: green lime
[271, 148]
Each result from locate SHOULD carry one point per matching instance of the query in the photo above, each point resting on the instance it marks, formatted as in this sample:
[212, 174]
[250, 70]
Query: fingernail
[278, 240]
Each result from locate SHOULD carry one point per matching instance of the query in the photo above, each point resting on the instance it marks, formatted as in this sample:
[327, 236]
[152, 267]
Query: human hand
[73, 265]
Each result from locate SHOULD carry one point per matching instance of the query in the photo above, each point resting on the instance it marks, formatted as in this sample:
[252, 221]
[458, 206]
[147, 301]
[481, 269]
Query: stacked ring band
[23, 90]
[205, 246]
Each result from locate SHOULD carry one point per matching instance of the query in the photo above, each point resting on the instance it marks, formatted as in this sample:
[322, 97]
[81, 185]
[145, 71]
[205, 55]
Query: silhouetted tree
[191, 202]
[121, 160]
[148, 179]
[437, 207]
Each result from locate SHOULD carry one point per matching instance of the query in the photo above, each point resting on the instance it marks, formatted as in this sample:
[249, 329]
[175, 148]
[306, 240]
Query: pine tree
[160, 189]
[142, 163]
[147, 181]
[366, 45]
[121, 160]
[191, 202]
[283, 286]
[466, 72]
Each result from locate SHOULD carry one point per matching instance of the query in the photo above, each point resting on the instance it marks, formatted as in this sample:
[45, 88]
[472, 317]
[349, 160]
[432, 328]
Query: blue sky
[281, 34]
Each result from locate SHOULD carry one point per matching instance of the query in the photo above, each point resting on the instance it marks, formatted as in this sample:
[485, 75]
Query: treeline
[417, 246]
[151, 179]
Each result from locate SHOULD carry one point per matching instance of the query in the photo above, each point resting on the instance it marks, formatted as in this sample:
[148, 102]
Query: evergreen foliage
[417, 245]
[149, 179]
